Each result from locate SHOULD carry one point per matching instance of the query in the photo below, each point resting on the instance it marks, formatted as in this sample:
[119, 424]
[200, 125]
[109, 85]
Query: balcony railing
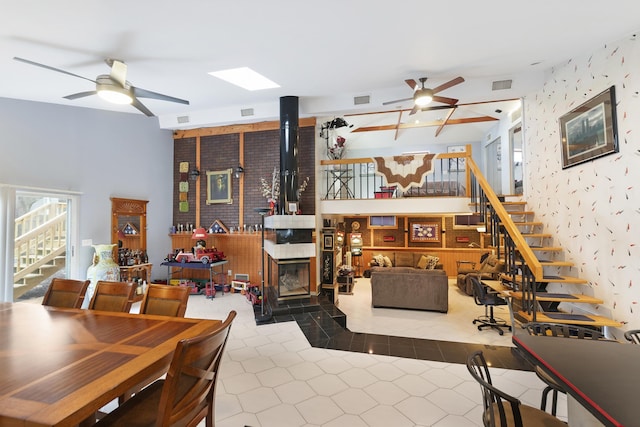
[356, 179]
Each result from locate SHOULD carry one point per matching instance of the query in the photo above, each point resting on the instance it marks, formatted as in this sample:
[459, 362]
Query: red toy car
[204, 256]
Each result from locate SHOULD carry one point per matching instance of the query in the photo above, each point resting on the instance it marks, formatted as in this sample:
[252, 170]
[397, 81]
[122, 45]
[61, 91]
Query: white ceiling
[325, 52]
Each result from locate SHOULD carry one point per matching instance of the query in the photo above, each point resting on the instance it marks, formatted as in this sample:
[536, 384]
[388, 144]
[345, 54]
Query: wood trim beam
[231, 129]
[426, 124]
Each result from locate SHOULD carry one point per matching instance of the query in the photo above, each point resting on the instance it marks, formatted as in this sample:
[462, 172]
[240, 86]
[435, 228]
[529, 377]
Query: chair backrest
[633, 336]
[112, 296]
[479, 291]
[65, 293]
[562, 330]
[189, 389]
[498, 406]
[165, 300]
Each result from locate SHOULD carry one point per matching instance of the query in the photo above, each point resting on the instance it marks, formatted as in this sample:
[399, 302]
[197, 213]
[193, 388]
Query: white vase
[104, 269]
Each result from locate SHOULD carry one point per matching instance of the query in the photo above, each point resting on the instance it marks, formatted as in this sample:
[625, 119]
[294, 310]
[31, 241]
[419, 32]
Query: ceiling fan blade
[143, 93]
[118, 71]
[412, 83]
[80, 94]
[37, 64]
[396, 101]
[140, 106]
[414, 110]
[448, 84]
[445, 100]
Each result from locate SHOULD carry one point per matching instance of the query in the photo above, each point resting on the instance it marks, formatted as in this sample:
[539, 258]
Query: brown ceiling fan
[422, 96]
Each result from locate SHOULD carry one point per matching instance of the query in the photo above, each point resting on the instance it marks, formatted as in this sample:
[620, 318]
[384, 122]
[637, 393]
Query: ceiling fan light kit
[111, 91]
[423, 97]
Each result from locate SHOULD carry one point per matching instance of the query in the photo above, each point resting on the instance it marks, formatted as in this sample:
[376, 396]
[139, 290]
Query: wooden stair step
[591, 319]
[550, 263]
[537, 235]
[520, 213]
[547, 279]
[561, 297]
[546, 248]
[530, 223]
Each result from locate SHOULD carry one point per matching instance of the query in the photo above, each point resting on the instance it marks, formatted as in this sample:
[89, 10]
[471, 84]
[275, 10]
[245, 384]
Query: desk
[59, 366]
[602, 376]
[194, 266]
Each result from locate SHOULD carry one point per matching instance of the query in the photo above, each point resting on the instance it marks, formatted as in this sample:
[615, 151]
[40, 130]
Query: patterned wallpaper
[592, 209]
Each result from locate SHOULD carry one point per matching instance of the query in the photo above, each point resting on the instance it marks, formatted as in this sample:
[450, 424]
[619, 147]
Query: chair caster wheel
[501, 332]
[479, 328]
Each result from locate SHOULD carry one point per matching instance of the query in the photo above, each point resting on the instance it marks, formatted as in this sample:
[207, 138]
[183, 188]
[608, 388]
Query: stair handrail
[505, 219]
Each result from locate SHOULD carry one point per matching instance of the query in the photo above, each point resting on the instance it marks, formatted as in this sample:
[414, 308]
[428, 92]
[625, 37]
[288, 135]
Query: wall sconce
[238, 171]
[194, 174]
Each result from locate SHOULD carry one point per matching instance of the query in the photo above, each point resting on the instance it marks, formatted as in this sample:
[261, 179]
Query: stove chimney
[288, 201]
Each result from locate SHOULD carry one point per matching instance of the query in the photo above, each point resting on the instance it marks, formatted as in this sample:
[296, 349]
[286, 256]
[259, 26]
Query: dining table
[601, 377]
[59, 366]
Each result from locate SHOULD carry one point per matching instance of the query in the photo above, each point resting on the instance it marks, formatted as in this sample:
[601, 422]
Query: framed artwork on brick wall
[219, 187]
[424, 232]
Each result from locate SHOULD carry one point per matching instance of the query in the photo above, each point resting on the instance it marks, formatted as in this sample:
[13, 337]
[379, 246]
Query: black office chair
[633, 336]
[489, 300]
[501, 409]
[562, 331]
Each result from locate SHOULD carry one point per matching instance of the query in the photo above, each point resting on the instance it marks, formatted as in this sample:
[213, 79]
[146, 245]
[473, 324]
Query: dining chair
[187, 394]
[65, 293]
[633, 336]
[165, 300]
[562, 331]
[112, 296]
[501, 409]
[489, 300]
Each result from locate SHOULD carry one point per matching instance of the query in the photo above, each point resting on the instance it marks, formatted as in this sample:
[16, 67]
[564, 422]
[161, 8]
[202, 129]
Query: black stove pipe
[288, 154]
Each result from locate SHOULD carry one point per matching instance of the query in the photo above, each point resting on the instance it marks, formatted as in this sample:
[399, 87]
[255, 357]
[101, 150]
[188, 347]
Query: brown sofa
[409, 287]
[489, 269]
[403, 259]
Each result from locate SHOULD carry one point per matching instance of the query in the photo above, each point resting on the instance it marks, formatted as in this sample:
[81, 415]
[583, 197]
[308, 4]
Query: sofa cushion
[432, 262]
[404, 259]
[387, 262]
[422, 264]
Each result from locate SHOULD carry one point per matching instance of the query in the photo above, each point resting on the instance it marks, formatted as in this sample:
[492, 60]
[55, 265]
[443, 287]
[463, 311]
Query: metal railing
[356, 179]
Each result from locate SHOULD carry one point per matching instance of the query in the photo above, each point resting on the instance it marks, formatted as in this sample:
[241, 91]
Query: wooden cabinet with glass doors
[129, 233]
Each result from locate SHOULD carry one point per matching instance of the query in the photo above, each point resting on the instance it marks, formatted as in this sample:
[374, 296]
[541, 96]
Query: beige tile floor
[272, 377]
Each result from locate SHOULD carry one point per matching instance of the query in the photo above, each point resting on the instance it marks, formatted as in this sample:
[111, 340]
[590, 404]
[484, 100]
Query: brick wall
[261, 156]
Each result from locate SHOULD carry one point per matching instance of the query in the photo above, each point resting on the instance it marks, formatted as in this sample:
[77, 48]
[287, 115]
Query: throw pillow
[387, 262]
[422, 264]
[432, 262]
[379, 259]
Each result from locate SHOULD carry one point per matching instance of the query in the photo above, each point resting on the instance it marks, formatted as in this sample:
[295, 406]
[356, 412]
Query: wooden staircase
[553, 297]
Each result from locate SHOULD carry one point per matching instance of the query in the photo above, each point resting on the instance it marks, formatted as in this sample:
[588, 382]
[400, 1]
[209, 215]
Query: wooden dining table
[58, 367]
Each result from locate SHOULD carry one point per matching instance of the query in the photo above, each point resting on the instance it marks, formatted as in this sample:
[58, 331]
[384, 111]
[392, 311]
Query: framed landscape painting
[590, 130]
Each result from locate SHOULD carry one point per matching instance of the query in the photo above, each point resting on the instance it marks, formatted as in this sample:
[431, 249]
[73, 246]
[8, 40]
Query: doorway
[493, 162]
[39, 241]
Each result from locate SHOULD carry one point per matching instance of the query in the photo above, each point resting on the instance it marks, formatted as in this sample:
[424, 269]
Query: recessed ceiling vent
[183, 119]
[501, 84]
[246, 112]
[359, 100]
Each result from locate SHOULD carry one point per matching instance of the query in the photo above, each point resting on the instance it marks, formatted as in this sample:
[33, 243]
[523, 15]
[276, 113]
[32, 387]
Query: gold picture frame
[219, 186]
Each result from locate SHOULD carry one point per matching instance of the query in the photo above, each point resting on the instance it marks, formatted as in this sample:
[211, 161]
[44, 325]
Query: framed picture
[328, 242]
[219, 186]
[458, 163]
[424, 232]
[590, 130]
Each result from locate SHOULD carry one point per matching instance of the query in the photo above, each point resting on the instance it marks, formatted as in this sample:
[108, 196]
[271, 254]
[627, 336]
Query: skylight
[246, 78]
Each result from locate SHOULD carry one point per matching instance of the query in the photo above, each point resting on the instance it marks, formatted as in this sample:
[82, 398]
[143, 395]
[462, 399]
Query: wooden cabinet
[129, 232]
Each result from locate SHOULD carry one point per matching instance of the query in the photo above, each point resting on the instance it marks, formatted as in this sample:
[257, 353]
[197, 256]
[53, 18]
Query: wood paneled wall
[242, 250]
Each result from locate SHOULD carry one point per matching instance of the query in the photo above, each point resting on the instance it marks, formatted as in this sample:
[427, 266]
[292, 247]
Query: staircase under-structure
[544, 287]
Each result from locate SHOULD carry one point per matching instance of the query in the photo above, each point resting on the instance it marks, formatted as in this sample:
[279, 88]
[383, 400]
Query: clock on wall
[355, 225]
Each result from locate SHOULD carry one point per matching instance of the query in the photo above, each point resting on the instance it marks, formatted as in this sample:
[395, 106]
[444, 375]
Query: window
[382, 221]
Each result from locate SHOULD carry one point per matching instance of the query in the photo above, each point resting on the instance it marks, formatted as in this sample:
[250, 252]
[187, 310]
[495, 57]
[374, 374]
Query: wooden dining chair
[165, 300]
[562, 331]
[65, 293]
[187, 394]
[501, 409]
[112, 296]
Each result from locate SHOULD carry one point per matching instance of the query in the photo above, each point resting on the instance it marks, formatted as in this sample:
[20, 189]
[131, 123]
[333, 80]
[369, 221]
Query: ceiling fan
[422, 96]
[114, 86]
